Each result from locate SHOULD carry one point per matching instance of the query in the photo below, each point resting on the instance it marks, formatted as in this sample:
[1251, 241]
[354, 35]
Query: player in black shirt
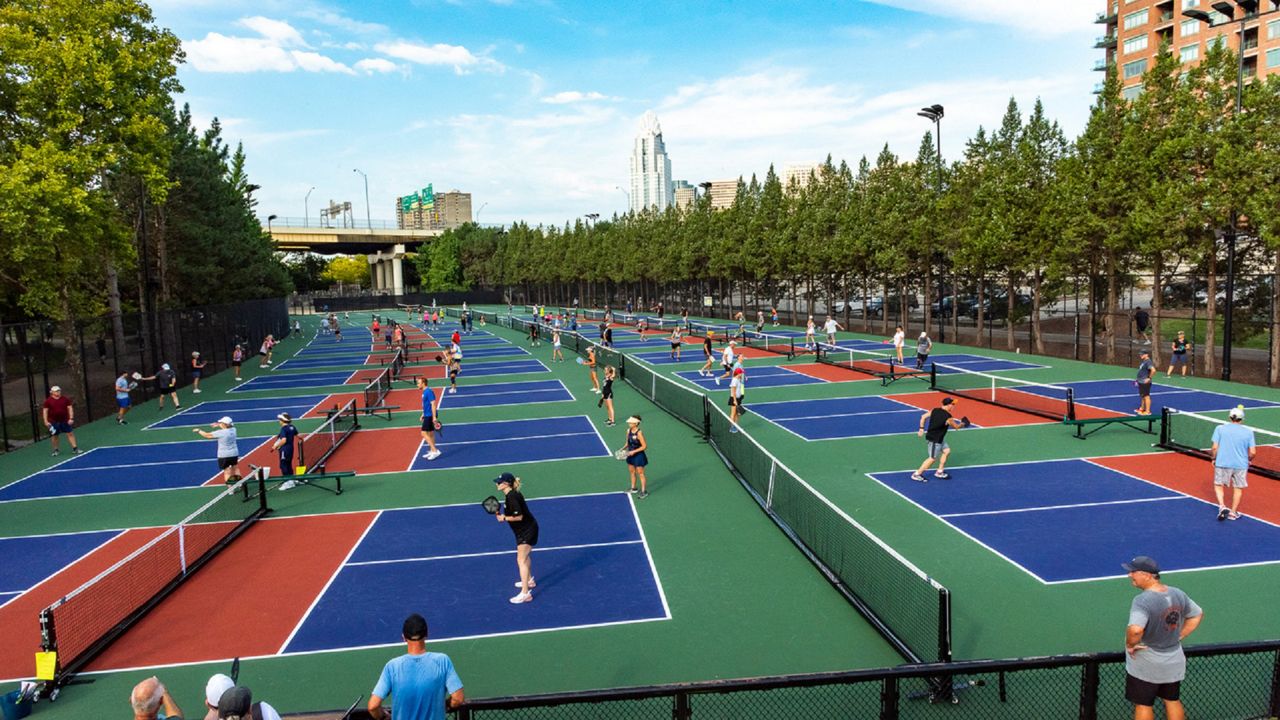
[525, 527]
[933, 427]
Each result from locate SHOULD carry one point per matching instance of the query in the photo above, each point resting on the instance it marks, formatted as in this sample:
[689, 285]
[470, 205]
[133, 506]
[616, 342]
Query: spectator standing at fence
[1233, 447]
[228, 447]
[591, 368]
[197, 370]
[1159, 618]
[422, 685]
[1146, 369]
[1178, 354]
[606, 393]
[122, 388]
[237, 359]
[1142, 320]
[59, 416]
[147, 699]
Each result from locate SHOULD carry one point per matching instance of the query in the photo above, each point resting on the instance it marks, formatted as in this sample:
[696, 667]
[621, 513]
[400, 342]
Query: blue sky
[531, 105]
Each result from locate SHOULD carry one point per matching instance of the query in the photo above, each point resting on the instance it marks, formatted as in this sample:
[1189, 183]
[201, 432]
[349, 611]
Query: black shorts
[675, 345]
[226, 462]
[428, 424]
[1144, 390]
[1141, 692]
[262, 353]
[606, 393]
[236, 363]
[527, 536]
[737, 401]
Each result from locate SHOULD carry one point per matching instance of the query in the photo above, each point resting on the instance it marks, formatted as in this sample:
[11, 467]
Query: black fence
[35, 356]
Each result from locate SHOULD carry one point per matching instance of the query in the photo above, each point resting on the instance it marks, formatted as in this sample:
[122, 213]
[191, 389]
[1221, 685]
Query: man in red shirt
[59, 416]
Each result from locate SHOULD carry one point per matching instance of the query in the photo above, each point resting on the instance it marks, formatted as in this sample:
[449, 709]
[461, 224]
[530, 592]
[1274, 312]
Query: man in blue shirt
[423, 685]
[1233, 448]
[284, 444]
[1145, 370]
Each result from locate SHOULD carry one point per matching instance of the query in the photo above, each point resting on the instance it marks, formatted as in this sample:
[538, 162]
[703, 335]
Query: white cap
[164, 366]
[225, 420]
[217, 685]
[924, 334]
[54, 389]
[1237, 413]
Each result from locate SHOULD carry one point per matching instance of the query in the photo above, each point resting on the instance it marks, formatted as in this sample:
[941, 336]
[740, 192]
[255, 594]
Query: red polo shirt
[59, 408]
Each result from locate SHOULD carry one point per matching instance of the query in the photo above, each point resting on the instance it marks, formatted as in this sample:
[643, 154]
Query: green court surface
[743, 601]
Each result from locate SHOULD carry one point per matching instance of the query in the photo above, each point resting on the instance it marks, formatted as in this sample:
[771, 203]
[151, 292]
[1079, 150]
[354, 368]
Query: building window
[1135, 44]
[1131, 93]
[1218, 41]
[1273, 30]
[1189, 4]
[1135, 68]
[1217, 18]
[1273, 57]
[1190, 27]
[1189, 53]
[1137, 19]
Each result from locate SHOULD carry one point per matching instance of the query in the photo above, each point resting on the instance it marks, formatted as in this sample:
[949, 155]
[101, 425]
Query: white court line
[129, 465]
[66, 567]
[1149, 482]
[372, 521]
[512, 551]
[267, 404]
[653, 568]
[1100, 503]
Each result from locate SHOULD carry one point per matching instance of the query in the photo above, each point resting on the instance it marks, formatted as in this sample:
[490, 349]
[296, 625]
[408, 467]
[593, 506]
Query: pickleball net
[316, 446]
[84, 622]
[376, 391]
[1192, 434]
[777, 344]
[863, 361]
[397, 364]
[1053, 402]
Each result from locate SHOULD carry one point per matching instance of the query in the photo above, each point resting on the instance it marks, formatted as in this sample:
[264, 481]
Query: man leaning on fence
[1159, 618]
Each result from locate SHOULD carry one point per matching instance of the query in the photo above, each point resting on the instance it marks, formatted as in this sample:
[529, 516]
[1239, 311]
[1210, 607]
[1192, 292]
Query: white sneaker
[268, 362]
[432, 455]
[453, 391]
[523, 597]
[239, 379]
[197, 390]
[288, 485]
[717, 380]
[532, 584]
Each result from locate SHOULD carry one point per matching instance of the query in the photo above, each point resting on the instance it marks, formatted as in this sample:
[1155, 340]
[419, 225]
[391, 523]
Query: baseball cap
[1237, 413]
[235, 703]
[284, 417]
[195, 353]
[415, 626]
[505, 477]
[738, 371]
[54, 389]
[1142, 563]
[924, 334]
[948, 401]
[1144, 353]
[165, 366]
[225, 420]
[217, 685]
[634, 419]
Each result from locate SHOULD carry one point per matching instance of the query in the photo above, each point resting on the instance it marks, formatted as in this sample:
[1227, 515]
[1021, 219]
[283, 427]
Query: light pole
[935, 113]
[1249, 10]
[482, 207]
[591, 218]
[269, 219]
[367, 217]
[306, 208]
[624, 192]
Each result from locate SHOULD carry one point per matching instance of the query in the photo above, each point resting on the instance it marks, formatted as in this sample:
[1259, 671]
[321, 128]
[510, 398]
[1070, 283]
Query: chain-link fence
[84, 358]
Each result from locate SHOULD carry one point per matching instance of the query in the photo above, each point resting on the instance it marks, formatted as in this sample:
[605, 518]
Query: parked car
[950, 305]
[996, 306]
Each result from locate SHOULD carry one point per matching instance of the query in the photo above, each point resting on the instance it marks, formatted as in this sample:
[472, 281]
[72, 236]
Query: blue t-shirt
[287, 433]
[1145, 369]
[1233, 441]
[418, 685]
[122, 388]
[428, 398]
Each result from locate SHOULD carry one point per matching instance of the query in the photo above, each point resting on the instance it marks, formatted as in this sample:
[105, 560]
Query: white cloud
[315, 62]
[333, 19]
[456, 56]
[376, 65]
[277, 32]
[574, 96]
[1041, 18]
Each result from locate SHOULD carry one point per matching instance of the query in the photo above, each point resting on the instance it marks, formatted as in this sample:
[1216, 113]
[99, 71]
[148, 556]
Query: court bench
[1133, 421]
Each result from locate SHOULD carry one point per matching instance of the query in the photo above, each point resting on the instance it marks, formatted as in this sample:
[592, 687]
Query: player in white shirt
[809, 332]
[899, 337]
[726, 360]
[830, 327]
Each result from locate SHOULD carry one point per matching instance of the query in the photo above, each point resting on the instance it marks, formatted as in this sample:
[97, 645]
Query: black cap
[415, 627]
[505, 477]
[1142, 563]
[235, 703]
[948, 401]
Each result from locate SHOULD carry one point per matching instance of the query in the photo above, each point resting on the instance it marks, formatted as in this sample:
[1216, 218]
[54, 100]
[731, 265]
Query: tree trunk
[75, 363]
[1011, 298]
[1036, 338]
[1211, 314]
[1109, 319]
[982, 314]
[1157, 285]
[113, 304]
[847, 292]
[928, 297]
[866, 300]
[1274, 377]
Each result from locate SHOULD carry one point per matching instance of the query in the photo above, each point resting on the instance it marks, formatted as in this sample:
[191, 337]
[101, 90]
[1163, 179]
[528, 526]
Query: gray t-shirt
[1162, 614]
[923, 346]
[227, 446]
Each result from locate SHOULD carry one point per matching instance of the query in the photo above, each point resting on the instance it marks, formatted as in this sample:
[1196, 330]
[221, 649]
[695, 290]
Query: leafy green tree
[348, 270]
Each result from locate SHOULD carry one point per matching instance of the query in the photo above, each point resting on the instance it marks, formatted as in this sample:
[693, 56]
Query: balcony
[1098, 87]
[1102, 65]
[1105, 41]
[1164, 18]
[1103, 18]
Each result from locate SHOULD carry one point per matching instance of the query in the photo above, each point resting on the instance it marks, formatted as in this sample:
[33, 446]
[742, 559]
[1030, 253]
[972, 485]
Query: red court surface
[262, 456]
[248, 599]
[405, 399]
[378, 450]
[19, 620]
[830, 373]
[1193, 476]
[982, 414]
[362, 377]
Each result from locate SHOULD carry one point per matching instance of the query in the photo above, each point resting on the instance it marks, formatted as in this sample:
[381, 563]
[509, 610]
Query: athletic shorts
[1178, 359]
[727, 367]
[262, 353]
[60, 427]
[226, 462]
[123, 402]
[1144, 389]
[937, 448]
[607, 393]
[196, 372]
[1141, 692]
[453, 373]
[737, 400]
[528, 536]
[1233, 477]
[286, 465]
[234, 363]
[429, 424]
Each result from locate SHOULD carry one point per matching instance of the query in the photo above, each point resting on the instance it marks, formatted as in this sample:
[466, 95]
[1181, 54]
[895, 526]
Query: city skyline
[532, 108]
[652, 186]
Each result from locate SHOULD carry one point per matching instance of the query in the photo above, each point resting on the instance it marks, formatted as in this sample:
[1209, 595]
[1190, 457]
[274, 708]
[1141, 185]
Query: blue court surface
[127, 468]
[832, 418]
[241, 411]
[591, 565]
[1074, 520]
[470, 341]
[513, 393]
[757, 377]
[976, 363]
[506, 367]
[27, 561]
[295, 380]
[690, 353]
[469, 352]
[327, 361]
[506, 442]
[1121, 396]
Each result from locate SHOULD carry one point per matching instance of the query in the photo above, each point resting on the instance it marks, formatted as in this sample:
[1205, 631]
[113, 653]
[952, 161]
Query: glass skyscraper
[650, 168]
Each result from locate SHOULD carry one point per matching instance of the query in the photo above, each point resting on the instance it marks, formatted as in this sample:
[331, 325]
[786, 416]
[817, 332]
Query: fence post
[706, 419]
[1273, 707]
[1089, 691]
[683, 710]
[84, 371]
[889, 699]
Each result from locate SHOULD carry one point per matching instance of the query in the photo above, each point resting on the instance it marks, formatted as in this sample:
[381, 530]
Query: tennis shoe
[1233, 515]
[918, 477]
[239, 379]
[75, 451]
[643, 494]
[197, 390]
[634, 491]
[942, 475]
[523, 597]
[1222, 514]
[288, 485]
[453, 391]
[532, 583]
[717, 381]
[55, 453]
[432, 455]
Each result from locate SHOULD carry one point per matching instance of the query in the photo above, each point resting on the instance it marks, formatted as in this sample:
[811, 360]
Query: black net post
[1164, 427]
[1089, 691]
[1274, 704]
